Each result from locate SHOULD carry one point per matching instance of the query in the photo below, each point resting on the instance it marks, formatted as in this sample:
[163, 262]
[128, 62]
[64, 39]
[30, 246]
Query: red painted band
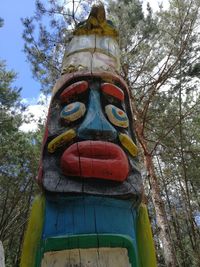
[105, 75]
[72, 90]
[113, 90]
[95, 159]
[40, 173]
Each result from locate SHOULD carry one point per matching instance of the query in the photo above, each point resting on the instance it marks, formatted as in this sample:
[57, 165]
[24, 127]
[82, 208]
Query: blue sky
[11, 44]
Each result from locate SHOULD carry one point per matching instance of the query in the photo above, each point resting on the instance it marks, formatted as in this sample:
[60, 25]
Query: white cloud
[36, 112]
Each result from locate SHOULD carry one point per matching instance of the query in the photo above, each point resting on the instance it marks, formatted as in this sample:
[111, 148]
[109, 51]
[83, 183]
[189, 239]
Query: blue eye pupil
[73, 111]
[69, 109]
[116, 112]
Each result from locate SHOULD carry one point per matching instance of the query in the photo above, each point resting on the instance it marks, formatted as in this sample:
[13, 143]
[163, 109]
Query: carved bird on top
[97, 23]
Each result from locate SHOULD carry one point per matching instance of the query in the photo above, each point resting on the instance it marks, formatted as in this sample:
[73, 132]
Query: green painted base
[87, 241]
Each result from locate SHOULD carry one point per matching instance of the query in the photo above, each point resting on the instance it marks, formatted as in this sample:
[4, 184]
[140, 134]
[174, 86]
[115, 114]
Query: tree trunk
[161, 217]
[183, 252]
[2, 259]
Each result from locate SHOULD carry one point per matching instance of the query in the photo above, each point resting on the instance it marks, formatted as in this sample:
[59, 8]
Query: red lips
[95, 159]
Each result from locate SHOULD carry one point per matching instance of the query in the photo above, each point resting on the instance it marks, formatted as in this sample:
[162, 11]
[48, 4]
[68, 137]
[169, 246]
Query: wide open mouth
[95, 159]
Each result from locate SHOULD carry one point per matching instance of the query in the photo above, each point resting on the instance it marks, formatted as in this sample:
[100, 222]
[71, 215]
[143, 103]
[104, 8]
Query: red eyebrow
[113, 90]
[73, 90]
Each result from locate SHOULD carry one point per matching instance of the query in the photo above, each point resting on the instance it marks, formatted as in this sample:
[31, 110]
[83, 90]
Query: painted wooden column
[90, 211]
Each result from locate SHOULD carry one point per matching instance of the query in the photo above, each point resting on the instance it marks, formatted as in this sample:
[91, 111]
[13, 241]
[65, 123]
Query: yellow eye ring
[116, 116]
[73, 111]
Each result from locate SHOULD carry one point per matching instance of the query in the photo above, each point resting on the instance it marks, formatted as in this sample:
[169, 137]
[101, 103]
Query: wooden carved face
[90, 145]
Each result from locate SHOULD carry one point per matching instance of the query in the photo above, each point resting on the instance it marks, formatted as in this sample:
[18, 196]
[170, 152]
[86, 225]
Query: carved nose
[95, 125]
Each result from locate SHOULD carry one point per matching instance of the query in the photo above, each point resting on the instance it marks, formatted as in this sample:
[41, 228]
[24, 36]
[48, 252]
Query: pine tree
[157, 47]
[18, 167]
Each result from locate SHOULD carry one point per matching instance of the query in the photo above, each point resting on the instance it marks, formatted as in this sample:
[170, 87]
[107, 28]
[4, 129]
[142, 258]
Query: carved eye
[73, 111]
[117, 116]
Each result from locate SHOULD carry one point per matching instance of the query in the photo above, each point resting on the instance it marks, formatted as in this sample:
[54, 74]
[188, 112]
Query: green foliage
[45, 42]
[195, 70]
[160, 64]
[1, 22]
[18, 166]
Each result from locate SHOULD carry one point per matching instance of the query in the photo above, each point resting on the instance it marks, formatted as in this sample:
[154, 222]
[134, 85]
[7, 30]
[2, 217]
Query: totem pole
[90, 212]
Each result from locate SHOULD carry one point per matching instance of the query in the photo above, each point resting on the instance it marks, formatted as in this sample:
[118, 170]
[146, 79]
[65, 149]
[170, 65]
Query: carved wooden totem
[90, 213]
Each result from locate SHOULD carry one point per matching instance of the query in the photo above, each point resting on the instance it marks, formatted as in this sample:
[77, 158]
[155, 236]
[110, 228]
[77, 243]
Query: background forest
[161, 64]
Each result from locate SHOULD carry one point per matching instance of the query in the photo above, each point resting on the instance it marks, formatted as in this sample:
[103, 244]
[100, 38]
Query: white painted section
[93, 257]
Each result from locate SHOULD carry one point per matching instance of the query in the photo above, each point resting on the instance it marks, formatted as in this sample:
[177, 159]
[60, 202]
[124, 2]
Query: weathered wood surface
[91, 53]
[90, 107]
[85, 61]
[68, 78]
[94, 257]
[89, 214]
[97, 124]
[89, 150]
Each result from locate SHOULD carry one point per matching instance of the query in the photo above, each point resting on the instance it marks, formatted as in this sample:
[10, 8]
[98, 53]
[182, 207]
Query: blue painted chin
[89, 214]
[95, 125]
[76, 216]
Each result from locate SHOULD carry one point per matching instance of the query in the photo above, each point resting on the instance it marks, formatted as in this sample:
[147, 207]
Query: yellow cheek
[128, 144]
[61, 140]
